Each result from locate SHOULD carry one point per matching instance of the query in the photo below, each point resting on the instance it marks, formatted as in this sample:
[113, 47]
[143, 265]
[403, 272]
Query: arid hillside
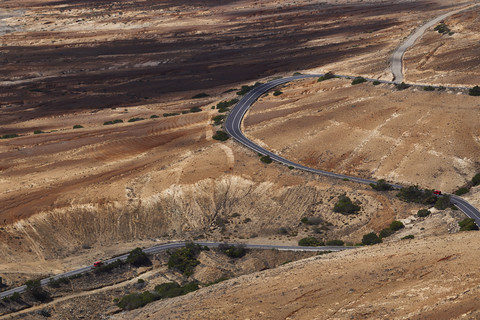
[448, 58]
[412, 136]
[434, 278]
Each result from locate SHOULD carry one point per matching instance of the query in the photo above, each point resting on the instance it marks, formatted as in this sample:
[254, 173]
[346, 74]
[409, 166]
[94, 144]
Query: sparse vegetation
[224, 105]
[476, 179]
[56, 283]
[200, 95]
[310, 242]
[266, 159]
[326, 76]
[381, 185]
[38, 132]
[153, 116]
[410, 236]
[172, 114]
[475, 91]
[108, 267]
[35, 289]
[345, 205]
[245, 89]
[461, 191]
[443, 29]
[468, 224]
[414, 194]
[423, 213]
[370, 239]
[232, 251]
[396, 225]
[376, 83]
[277, 93]
[402, 86]
[135, 119]
[77, 126]
[195, 109]
[443, 202]
[221, 136]
[138, 258]
[184, 260]
[106, 123]
[358, 80]
[136, 300]
[218, 120]
[387, 232]
[9, 136]
[429, 88]
[335, 243]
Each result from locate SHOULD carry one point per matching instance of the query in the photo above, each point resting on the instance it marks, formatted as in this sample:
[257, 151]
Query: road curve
[397, 58]
[174, 245]
[233, 127]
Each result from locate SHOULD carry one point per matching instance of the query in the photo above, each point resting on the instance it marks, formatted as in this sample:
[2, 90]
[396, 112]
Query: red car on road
[437, 192]
[98, 264]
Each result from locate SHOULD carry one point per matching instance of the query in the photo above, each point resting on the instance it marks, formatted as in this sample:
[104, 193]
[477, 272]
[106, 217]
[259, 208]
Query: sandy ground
[111, 188]
[447, 59]
[410, 137]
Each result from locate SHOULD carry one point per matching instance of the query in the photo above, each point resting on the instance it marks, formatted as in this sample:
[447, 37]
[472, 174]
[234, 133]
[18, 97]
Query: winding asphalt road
[170, 246]
[397, 58]
[233, 127]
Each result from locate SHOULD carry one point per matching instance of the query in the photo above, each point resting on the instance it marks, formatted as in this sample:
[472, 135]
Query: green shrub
[423, 213]
[476, 179]
[56, 283]
[9, 136]
[370, 239]
[310, 242]
[138, 258]
[35, 289]
[475, 91]
[358, 80]
[232, 251]
[304, 220]
[200, 95]
[326, 76]
[15, 297]
[376, 83]
[221, 279]
[44, 313]
[461, 191]
[221, 136]
[77, 126]
[414, 194]
[173, 289]
[140, 281]
[266, 159]
[184, 259]
[277, 93]
[218, 119]
[135, 119]
[108, 267]
[106, 123]
[410, 236]
[402, 86]
[345, 205]
[468, 224]
[381, 185]
[443, 202]
[38, 132]
[195, 109]
[291, 167]
[429, 88]
[386, 233]
[442, 28]
[396, 225]
[153, 116]
[136, 300]
[171, 114]
[246, 89]
[334, 243]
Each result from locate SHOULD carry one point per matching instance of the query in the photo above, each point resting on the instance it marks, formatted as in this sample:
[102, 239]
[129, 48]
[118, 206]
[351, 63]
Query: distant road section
[175, 245]
[397, 58]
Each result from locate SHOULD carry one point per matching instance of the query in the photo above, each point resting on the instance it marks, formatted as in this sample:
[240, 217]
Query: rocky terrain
[113, 103]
